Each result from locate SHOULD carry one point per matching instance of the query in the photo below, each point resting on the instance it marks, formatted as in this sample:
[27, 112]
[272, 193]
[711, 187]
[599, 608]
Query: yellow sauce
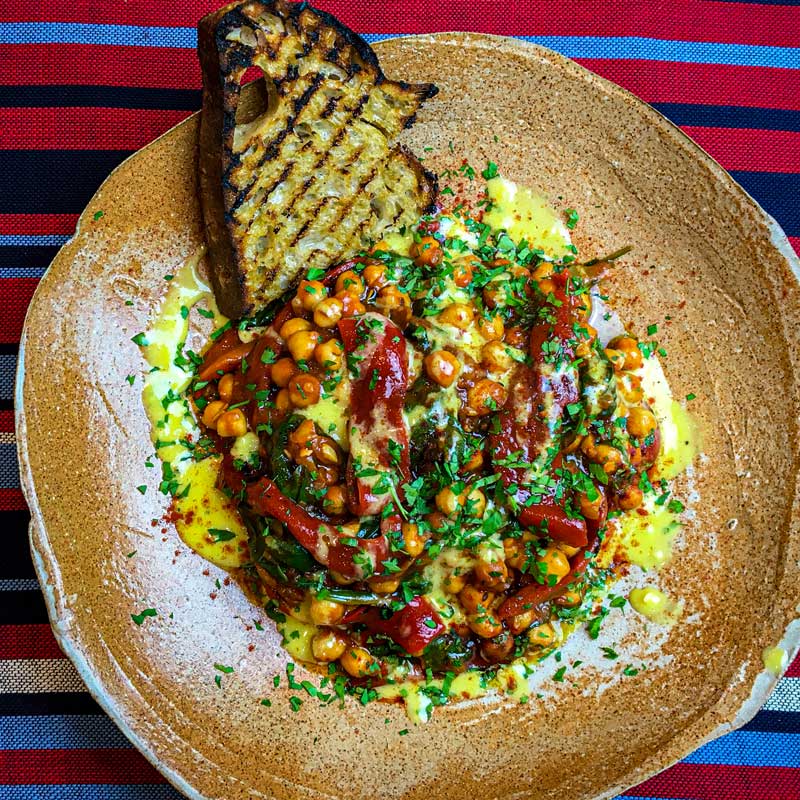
[523, 214]
[775, 659]
[655, 605]
[200, 506]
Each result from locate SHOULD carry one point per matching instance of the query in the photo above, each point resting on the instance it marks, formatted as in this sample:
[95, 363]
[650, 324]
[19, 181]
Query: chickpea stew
[425, 446]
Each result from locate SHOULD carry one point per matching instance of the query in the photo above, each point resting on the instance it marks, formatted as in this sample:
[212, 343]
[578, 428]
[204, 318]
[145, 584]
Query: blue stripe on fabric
[26, 240]
[8, 371]
[93, 791]
[638, 47]
[22, 272]
[772, 119]
[57, 733]
[750, 749]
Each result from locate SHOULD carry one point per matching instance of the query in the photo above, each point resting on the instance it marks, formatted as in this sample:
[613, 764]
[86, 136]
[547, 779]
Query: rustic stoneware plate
[705, 255]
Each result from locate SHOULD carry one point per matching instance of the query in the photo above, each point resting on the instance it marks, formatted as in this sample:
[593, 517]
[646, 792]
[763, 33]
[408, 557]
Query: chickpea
[495, 295]
[282, 401]
[543, 275]
[329, 354]
[492, 575]
[499, 648]
[474, 503]
[328, 312]
[517, 337]
[641, 422]
[358, 662]
[591, 509]
[384, 584]
[567, 549]
[303, 435]
[325, 450]
[225, 388]
[413, 540]
[335, 501]
[447, 501]
[495, 357]
[282, 371]
[212, 412]
[460, 315]
[394, 303]
[450, 503]
[375, 276]
[553, 562]
[302, 344]
[485, 625]
[454, 583]
[442, 367]
[608, 457]
[631, 497]
[521, 622]
[427, 252]
[543, 635]
[516, 553]
[462, 274]
[616, 357]
[491, 328]
[629, 347]
[475, 600]
[328, 646]
[474, 463]
[485, 397]
[570, 599]
[232, 423]
[310, 293]
[586, 336]
[292, 326]
[350, 281]
[325, 612]
[631, 389]
[351, 304]
[304, 390]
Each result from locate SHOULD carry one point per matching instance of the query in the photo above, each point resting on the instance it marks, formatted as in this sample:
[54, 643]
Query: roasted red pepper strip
[322, 540]
[529, 421]
[413, 628]
[536, 593]
[375, 348]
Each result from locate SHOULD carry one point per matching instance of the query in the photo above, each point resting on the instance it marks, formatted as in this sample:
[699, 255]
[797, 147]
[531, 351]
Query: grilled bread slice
[299, 170]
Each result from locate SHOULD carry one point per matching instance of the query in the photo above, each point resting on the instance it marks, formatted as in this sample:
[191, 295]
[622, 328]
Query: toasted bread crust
[298, 170]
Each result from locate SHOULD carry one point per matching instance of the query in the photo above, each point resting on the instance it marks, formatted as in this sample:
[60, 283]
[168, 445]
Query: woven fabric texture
[83, 84]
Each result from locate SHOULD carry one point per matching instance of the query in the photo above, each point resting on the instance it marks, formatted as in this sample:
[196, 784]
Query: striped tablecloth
[82, 84]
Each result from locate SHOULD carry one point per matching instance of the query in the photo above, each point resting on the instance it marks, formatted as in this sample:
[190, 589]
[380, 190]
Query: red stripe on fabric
[93, 65]
[12, 500]
[83, 128]
[28, 641]
[717, 781]
[711, 84]
[748, 149]
[15, 295]
[6, 421]
[116, 766]
[794, 241]
[37, 224]
[794, 667]
[693, 20]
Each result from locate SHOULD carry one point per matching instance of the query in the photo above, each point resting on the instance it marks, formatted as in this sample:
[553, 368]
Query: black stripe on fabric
[772, 119]
[777, 193]
[27, 256]
[16, 561]
[53, 181]
[9, 349]
[775, 722]
[25, 607]
[44, 704]
[100, 97]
